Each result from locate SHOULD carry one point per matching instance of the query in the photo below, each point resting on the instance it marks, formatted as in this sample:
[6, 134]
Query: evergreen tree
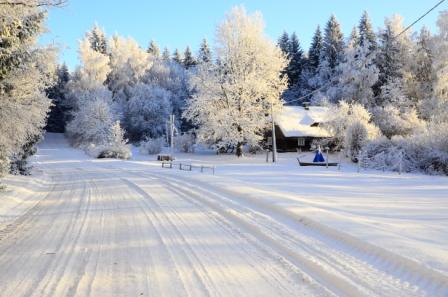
[330, 56]
[59, 110]
[98, 40]
[154, 49]
[166, 54]
[283, 43]
[315, 51]
[333, 43]
[366, 33]
[295, 65]
[423, 67]
[205, 55]
[189, 61]
[177, 57]
[392, 56]
[354, 39]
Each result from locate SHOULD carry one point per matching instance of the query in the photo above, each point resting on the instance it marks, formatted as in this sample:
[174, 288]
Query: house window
[300, 142]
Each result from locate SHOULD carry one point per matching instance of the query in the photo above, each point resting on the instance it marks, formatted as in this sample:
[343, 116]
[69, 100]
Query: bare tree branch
[38, 3]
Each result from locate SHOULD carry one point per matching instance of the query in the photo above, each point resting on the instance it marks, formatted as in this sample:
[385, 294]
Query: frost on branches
[94, 125]
[352, 128]
[25, 73]
[232, 100]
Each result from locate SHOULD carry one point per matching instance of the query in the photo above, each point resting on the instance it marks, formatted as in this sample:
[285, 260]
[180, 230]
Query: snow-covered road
[119, 228]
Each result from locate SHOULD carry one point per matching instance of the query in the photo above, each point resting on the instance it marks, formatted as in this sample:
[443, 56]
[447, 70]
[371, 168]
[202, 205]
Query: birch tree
[232, 101]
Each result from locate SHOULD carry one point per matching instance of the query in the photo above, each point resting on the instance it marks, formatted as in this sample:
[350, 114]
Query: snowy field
[84, 227]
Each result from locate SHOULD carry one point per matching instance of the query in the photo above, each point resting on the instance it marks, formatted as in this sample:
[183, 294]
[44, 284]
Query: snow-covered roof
[296, 121]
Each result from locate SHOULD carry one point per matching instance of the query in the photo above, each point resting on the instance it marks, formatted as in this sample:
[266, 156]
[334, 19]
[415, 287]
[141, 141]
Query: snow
[296, 121]
[129, 228]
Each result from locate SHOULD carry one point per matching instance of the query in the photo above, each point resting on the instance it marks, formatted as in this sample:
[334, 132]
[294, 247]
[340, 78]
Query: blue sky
[177, 23]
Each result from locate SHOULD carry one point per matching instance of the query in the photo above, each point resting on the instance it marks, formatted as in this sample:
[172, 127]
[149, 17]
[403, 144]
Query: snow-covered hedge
[152, 146]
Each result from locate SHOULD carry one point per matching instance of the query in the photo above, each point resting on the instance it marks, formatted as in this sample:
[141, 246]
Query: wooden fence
[188, 167]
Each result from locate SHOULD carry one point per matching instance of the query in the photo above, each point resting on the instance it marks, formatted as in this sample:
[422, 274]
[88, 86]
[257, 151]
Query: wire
[396, 36]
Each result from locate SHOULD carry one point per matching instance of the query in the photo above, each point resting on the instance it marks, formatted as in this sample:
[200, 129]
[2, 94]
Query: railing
[188, 167]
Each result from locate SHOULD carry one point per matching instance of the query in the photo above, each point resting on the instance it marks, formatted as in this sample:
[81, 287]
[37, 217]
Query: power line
[396, 36]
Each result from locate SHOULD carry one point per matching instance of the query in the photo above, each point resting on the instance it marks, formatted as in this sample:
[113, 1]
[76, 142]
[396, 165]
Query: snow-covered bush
[152, 146]
[425, 151]
[113, 146]
[356, 136]
[351, 128]
[91, 123]
[184, 143]
[393, 122]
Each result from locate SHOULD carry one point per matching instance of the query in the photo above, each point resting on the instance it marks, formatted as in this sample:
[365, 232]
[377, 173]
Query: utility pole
[274, 141]
[172, 134]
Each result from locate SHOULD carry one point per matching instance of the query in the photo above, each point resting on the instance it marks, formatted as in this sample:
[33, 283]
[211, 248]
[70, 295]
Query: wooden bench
[165, 157]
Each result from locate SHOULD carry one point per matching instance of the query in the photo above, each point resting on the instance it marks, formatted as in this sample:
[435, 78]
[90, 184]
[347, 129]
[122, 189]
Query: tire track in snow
[201, 206]
[392, 282]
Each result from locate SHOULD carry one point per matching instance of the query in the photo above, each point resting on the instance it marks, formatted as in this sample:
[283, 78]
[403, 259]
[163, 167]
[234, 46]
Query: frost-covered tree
[333, 43]
[166, 54]
[436, 107]
[356, 75]
[59, 109]
[366, 33]
[205, 54]
[188, 61]
[422, 68]
[354, 39]
[128, 63]
[309, 75]
[295, 65]
[172, 77]
[314, 52]
[154, 49]
[330, 56]
[351, 127]
[232, 100]
[177, 57]
[97, 39]
[147, 111]
[394, 56]
[283, 43]
[25, 73]
[93, 120]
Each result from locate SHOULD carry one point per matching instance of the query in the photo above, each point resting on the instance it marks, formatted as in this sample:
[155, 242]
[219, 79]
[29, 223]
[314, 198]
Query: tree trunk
[239, 149]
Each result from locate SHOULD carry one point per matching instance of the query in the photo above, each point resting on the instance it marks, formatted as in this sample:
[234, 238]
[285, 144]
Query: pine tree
[295, 66]
[315, 50]
[205, 55]
[423, 67]
[166, 54]
[177, 57]
[98, 40]
[366, 33]
[283, 43]
[189, 61]
[59, 110]
[354, 39]
[154, 49]
[392, 57]
[333, 43]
